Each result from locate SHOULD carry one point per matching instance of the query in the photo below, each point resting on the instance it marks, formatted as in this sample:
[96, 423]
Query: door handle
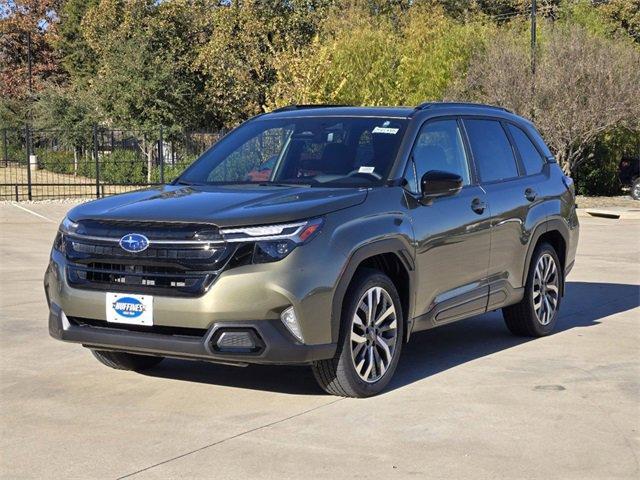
[478, 206]
[530, 194]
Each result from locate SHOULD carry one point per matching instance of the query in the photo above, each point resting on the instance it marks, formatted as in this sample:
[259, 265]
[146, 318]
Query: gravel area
[54, 201]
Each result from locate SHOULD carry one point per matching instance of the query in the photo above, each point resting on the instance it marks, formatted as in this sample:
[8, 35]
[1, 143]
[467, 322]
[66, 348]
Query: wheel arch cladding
[555, 233]
[389, 256]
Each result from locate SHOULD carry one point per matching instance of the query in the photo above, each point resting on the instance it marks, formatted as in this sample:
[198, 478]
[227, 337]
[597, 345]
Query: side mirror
[436, 183]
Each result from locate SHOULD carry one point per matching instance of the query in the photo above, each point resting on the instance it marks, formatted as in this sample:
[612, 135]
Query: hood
[224, 206]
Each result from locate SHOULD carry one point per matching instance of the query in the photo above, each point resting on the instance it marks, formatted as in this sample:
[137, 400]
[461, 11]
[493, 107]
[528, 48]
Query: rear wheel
[370, 339]
[126, 361]
[537, 312]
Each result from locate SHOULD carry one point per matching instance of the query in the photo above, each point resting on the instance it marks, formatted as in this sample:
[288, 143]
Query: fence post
[28, 142]
[95, 156]
[161, 155]
[5, 147]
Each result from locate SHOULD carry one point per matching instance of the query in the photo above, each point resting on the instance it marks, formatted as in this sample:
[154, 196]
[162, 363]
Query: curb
[611, 214]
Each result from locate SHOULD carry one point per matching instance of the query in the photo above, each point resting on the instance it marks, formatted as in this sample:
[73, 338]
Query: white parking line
[32, 212]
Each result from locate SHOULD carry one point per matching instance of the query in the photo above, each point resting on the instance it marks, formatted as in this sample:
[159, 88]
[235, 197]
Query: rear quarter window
[531, 157]
[539, 141]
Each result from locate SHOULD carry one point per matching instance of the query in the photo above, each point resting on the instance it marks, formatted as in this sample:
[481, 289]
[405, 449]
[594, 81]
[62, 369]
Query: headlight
[67, 226]
[274, 242]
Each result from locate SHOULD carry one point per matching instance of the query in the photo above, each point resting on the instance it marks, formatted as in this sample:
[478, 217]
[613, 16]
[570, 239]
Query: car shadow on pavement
[428, 353]
[293, 380]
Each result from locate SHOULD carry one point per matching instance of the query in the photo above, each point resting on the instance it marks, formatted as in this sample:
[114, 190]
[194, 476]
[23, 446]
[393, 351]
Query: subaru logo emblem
[134, 243]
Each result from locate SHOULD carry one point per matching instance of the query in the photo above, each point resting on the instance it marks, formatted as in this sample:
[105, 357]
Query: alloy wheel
[546, 289]
[374, 334]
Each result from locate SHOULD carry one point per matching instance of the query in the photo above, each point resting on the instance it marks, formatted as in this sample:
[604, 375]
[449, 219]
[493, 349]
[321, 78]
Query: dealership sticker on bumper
[131, 309]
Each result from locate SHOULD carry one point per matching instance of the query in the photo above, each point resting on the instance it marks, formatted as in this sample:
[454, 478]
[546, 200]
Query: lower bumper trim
[278, 347]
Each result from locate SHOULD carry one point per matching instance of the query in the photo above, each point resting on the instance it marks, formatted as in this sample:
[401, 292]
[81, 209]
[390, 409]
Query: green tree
[436, 50]
[76, 55]
[625, 14]
[404, 57]
[145, 77]
[71, 112]
[239, 59]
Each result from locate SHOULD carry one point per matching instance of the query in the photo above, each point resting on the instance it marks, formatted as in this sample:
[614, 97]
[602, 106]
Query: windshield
[316, 151]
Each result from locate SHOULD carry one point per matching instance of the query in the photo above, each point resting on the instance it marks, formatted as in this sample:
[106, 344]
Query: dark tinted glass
[531, 158]
[491, 150]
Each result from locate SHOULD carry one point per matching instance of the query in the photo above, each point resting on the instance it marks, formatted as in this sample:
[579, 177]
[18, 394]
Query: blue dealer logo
[134, 243]
[128, 307]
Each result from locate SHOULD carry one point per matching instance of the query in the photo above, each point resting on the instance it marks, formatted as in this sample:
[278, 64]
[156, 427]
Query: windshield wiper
[183, 182]
[284, 184]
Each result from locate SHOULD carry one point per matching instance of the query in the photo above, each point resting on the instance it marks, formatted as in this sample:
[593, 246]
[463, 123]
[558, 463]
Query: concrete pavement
[468, 401]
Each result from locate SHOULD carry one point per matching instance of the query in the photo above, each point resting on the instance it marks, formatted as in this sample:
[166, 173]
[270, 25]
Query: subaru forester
[325, 236]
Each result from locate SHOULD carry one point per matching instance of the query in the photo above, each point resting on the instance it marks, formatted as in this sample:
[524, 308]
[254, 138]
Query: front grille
[137, 276]
[157, 230]
[162, 253]
[171, 268]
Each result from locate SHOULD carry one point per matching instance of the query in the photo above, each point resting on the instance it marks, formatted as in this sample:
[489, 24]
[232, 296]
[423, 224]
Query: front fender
[382, 227]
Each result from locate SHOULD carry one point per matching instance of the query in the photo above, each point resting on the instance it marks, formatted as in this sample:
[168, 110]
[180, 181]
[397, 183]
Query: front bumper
[276, 346]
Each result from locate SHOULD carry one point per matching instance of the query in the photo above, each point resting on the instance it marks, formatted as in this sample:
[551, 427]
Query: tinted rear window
[531, 158]
[491, 149]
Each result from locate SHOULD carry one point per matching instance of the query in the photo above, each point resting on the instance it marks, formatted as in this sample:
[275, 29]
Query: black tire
[521, 318]
[635, 189]
[126, 361]
[338, 376]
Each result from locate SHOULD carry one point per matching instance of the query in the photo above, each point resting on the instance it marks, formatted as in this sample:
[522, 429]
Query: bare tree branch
[585, 86]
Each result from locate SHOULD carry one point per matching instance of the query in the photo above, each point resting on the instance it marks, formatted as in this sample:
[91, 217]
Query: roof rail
[306, 106]
[426, 105]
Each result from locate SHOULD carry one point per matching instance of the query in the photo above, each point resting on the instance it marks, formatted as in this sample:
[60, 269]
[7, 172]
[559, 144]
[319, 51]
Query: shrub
[598, 173]
[16, 154]
[171, 172]
[123, 166]
[598, 176]
[56, 161]
[87, 167]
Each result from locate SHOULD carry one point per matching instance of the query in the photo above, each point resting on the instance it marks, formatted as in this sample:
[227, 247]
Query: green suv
[324, 236]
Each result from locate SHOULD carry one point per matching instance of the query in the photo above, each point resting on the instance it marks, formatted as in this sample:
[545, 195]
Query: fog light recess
[236, 341]
[290, 321]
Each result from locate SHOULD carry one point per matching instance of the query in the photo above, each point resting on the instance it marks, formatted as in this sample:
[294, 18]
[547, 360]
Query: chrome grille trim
[151, 241]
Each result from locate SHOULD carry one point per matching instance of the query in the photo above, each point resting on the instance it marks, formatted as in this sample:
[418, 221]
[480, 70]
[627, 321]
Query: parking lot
[468, 400]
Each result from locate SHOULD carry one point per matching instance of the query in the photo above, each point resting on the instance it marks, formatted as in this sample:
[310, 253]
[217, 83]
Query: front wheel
[370, 341]
[537, 312]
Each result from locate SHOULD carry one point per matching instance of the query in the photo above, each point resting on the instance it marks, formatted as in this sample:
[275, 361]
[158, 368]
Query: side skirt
[468, 301]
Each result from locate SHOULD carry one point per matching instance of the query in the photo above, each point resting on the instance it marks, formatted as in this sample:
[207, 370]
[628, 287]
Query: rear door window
[531, 157]
[491, 149]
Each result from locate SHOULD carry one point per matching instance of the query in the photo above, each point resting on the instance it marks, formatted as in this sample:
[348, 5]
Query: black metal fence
[94, 162]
